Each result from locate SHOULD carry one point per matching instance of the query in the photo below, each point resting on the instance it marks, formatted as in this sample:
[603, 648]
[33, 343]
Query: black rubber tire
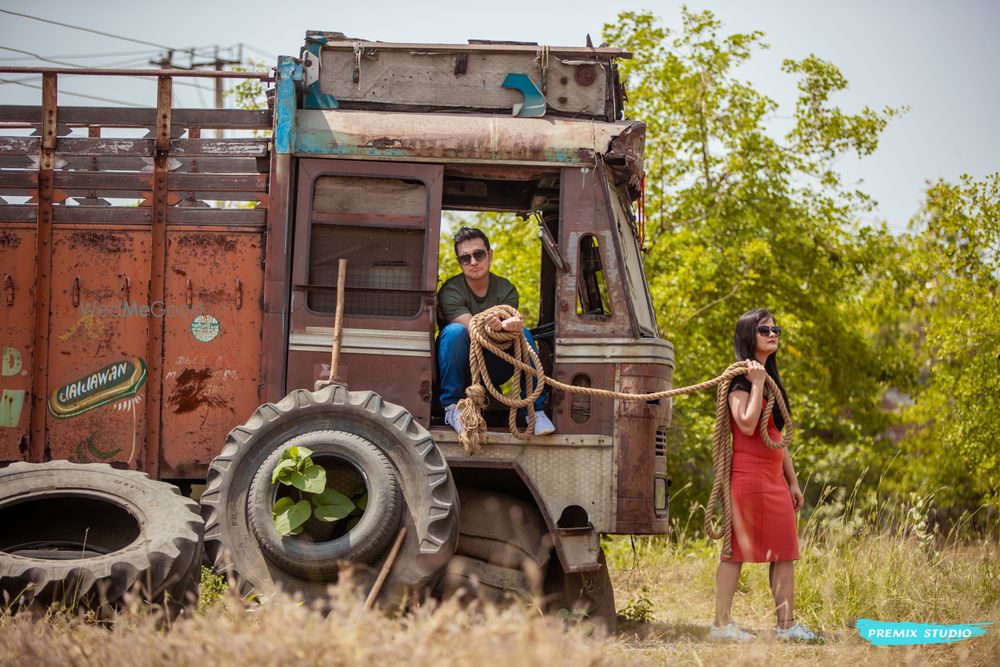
[503, 551]
[365, 543]
[430, 503]
[134, 533]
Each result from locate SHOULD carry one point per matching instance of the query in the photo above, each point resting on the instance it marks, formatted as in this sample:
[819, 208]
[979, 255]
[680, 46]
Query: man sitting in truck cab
[469, 293]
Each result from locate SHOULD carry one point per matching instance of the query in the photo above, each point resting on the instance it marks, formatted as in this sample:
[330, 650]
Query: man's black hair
[467, 234]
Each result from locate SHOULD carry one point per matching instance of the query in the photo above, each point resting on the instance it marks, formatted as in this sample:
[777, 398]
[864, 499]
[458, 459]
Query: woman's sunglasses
[766, 331]
[466, 259]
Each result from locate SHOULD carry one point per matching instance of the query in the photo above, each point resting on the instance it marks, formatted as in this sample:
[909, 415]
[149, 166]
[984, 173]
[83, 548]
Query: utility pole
[218, 63]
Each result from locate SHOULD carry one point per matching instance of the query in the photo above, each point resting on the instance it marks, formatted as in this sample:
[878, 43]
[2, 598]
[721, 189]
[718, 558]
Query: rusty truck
[169, 282]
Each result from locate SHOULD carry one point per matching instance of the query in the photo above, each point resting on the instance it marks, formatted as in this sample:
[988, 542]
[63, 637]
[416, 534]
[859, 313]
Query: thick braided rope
[528, 367]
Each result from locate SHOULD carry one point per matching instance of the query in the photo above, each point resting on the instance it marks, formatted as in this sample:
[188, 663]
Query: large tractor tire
[505, 553]
[503, 549]
[359, 438]
[586, 595]
[87, 534]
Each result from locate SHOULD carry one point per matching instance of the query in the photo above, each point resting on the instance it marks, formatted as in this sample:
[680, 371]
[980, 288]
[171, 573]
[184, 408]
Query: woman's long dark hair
[745, 347]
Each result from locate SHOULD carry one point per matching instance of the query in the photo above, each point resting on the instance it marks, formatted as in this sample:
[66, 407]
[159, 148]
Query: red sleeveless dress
[763, 516]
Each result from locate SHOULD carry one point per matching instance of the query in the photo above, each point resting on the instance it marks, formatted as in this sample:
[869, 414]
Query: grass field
[664, 587]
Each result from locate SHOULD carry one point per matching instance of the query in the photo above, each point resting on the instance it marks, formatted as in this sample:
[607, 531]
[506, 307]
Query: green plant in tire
[296, 469]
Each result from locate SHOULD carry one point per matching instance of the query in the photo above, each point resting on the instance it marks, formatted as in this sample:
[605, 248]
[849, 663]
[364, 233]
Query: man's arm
[463, 319]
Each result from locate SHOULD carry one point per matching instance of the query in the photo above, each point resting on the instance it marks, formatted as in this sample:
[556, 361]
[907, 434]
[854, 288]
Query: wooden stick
[386, 567]
[338, 325]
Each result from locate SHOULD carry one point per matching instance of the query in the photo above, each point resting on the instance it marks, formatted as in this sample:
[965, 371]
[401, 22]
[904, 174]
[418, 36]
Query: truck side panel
[211, 365]
[97, 345]
[17, 267]
[112, 318]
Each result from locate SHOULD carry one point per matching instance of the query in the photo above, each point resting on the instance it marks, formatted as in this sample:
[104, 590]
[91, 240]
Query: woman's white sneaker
[730, 633]
[796, 633]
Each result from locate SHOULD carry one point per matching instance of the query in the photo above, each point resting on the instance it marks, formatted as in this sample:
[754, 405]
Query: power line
[251, 47]
[84, 67]
[94, 55]
[69, 92]
[38, 57]
[90, 30]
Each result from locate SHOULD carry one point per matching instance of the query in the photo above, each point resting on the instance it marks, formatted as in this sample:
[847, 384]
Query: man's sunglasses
[765, 331]
[466, 259]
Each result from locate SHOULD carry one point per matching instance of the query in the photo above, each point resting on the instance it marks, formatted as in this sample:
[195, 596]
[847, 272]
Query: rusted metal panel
[87, 360]
[18, 180]
[212, 344]
[218, 216]
[578, 414]
[277, 280]
[202, 165]
[583, 211]
[43, 269]
[337, 39]
[219, 182]
[220, 147]
[303, 361]
[157, 280]
[403, 380]
[637, 462]
[100, 214]
[112, 146]
[19, 213]
[454, 138]
[372, 76]
[20, 145]
[231, 119]
[98, 384]
[17, 267]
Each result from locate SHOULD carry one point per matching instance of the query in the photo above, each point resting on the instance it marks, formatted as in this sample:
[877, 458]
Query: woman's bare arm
[745, 408]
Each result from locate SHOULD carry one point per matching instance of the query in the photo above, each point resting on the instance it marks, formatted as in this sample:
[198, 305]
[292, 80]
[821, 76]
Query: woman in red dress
[765, 492]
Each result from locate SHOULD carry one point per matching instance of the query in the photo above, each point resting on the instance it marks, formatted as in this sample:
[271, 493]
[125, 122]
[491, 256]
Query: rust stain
[191, 391]
[106, 242]
[213, 242]
[9, 239]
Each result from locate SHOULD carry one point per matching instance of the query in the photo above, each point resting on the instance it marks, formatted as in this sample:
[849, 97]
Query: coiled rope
[513, 347]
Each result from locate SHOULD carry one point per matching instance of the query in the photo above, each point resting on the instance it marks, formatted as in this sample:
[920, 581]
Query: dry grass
[841, 576]
[847, 571]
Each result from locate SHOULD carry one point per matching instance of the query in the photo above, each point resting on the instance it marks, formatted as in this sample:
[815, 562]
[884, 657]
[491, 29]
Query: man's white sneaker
[796, 633]
[451, 418]
[543, 425]
[730, 633]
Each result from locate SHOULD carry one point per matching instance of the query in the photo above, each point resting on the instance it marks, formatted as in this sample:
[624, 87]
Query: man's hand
[493, 322]
[512, 324]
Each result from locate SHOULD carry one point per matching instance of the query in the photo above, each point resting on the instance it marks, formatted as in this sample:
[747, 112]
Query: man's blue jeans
[453, 365]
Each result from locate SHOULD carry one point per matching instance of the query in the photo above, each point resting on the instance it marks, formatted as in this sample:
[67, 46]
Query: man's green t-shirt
[455, 298]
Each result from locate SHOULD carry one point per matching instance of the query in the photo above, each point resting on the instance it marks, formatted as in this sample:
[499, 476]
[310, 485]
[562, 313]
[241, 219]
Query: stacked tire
[407, 479]
[88, 534]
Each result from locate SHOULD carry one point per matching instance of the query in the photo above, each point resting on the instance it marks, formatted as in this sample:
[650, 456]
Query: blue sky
[939, 58]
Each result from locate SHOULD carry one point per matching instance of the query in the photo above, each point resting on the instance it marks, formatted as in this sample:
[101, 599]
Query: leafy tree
[949, 285]
[739, 218]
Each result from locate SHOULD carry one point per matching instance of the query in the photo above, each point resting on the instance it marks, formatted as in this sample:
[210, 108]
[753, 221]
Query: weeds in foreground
[852, 566]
